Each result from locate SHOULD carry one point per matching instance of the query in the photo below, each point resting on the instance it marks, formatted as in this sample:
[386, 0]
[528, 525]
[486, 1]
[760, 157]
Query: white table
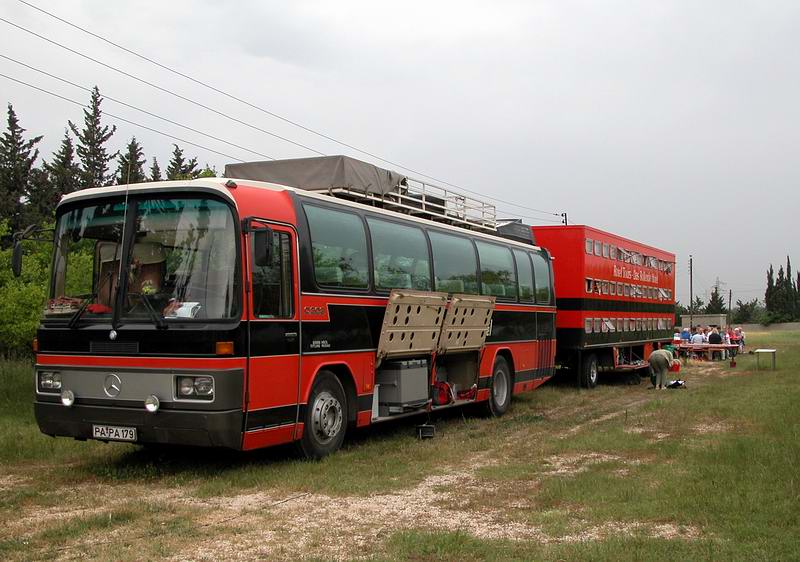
[759, 352]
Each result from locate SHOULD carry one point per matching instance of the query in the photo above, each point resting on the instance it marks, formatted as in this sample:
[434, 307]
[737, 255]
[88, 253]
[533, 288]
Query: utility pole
[691, 296]
[730, 310]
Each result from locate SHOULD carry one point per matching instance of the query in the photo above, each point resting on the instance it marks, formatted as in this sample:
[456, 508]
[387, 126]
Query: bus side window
[525, 275]
[272, 284]
[541, 274]
[497, 271]
[339, 246]
[455, 267]
[589, 246]
[399, 255]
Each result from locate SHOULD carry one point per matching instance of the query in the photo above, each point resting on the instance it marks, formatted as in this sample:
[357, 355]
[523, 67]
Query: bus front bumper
[174, 427]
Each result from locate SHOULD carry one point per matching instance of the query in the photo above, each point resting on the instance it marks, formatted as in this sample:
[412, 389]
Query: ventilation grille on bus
[114, 348]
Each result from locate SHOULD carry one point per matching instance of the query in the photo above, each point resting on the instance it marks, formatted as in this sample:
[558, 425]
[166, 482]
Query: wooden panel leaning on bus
[429, 353]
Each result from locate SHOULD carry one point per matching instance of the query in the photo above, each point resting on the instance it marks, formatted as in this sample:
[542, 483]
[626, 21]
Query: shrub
[22, 298]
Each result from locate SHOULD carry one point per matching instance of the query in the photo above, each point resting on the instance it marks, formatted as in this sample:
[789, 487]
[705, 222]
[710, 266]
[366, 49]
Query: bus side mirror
[16, 259]
[262, 247]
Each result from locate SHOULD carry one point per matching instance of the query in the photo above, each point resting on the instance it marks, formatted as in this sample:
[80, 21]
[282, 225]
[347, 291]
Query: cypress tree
[92, 141]
[769, 293]
[63, 172]
[131, 164]
[779, 297]
[180, 168]
[17, 157]
[155, 171]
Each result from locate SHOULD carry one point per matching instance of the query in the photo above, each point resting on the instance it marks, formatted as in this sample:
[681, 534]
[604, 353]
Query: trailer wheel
[500, 389]
[325, 418]
[589, 371]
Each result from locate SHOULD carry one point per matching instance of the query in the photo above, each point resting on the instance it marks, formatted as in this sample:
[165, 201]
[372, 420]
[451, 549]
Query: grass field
[618, 473]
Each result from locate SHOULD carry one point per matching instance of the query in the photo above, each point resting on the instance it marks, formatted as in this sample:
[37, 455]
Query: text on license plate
[114, 432]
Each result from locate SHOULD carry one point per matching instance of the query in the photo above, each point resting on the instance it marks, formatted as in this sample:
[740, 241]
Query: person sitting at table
[686, 335]
[715, 339]
[697, 338]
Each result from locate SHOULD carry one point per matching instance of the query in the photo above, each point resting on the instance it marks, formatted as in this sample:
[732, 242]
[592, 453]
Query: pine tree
[131, 164]
[42, 198]
[155, 171]
[716, 304]
[17, 157]
[92, 141]
[63, 172]
[696, 307]
[180, 168]
[207, 172]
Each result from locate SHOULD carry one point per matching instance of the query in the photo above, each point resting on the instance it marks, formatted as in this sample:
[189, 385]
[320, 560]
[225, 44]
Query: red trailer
[615, 299]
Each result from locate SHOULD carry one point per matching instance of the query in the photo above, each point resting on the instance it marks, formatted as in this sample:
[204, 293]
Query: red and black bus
[240, 313]
[616, 299]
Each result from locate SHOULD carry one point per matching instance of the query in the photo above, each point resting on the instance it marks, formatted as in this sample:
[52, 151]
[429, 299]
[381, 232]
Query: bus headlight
[49, 381]
[67, 398]
[185, 386]
[195, 388]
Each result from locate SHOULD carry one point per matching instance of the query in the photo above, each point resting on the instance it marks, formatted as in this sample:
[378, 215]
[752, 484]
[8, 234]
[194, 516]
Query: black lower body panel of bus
[194, 428]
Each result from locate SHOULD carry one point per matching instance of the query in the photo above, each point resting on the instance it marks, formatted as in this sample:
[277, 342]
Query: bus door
[273, 335]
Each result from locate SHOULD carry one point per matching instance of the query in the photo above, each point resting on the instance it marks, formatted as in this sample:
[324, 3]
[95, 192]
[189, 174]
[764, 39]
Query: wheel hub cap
[500, 388]
[326, 416]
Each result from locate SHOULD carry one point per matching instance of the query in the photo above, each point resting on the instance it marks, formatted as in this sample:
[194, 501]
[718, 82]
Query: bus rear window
[541, 272]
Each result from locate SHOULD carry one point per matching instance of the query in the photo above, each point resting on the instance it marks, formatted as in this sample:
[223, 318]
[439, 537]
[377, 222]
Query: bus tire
[589, 371]
[325, 418]
[501, 388]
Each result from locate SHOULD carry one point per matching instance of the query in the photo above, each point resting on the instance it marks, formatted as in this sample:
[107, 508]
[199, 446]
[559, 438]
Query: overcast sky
[673, 123]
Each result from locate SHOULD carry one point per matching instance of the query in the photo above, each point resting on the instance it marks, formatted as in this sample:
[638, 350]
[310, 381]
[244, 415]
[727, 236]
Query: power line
[160, 88]
[117, 117]
[273, 114]
[115, 100]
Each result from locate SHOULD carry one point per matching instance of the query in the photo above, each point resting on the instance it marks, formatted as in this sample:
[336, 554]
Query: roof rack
[426, 200]
[348, 178]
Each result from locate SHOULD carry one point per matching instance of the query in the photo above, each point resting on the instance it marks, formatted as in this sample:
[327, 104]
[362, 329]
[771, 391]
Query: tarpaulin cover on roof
[319, 173]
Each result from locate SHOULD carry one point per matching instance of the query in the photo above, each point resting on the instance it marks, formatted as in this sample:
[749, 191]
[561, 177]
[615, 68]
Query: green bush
[22, 298]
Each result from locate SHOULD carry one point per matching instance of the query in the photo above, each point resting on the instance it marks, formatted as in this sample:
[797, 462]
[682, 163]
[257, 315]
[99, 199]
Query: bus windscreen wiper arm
[157, 319]
[73, 321]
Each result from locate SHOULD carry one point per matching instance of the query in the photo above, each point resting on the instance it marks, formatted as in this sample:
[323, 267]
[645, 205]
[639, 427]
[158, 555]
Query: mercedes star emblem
[112, 385]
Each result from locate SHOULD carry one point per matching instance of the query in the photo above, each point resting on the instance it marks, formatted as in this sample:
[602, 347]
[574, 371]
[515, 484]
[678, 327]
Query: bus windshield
[180, 262]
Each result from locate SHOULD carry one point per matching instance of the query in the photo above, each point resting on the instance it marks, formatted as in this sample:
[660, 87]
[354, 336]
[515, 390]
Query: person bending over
[660, 362]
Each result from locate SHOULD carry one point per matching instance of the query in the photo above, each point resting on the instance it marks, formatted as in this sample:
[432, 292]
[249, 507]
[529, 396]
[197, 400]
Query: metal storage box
[403, 384]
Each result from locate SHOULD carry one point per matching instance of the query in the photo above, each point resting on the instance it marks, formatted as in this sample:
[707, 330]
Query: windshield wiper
[73, 321]
[157, 319]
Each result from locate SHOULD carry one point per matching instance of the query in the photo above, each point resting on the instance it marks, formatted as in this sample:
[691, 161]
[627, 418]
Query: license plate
[114, 433]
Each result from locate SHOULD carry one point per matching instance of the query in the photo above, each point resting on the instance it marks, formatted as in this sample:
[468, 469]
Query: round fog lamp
[67, 397]
[151, 404]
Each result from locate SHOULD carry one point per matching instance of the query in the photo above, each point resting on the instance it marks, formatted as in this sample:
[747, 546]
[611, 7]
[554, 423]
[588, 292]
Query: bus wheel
[500, 390]
[325, 419]
[589, 374]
